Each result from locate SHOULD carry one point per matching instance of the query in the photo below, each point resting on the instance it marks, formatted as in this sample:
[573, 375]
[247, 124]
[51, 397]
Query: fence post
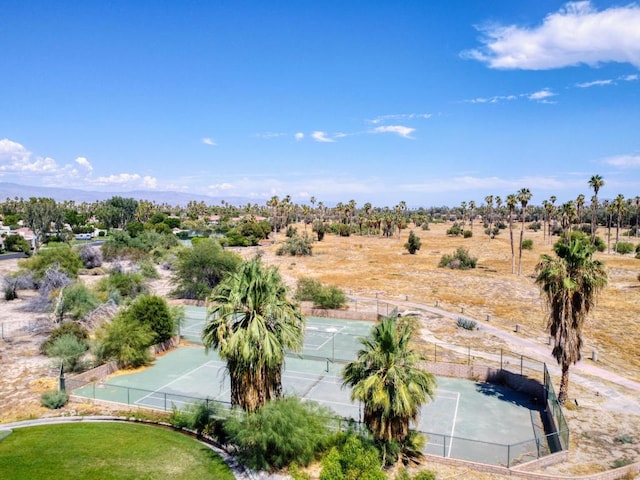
[521, 364]
[469, 355]
[165, 401]
[435, 352]
[501, 366]
[128, 390]
[509, 456]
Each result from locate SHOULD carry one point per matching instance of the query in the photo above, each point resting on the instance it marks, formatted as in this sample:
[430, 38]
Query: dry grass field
[366, 266]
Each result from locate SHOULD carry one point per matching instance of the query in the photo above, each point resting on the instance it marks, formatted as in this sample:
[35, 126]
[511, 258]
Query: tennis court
[469, 420]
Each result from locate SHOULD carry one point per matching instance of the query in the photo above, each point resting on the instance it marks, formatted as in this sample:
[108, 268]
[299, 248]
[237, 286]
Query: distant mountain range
[11, 190]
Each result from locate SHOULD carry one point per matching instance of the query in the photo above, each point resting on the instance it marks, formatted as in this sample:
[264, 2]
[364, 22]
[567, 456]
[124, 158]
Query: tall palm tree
[579, 207]
[489, 200]
[619, 206]
[524, 195]
[472, 213]
[512, 201]
[596, 182]
[251, 323]
[567, 215]
[387, 379]
[636, 202]
[569, 283]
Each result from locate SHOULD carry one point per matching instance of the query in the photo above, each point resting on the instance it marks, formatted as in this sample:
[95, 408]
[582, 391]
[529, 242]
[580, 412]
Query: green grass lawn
[106, 451]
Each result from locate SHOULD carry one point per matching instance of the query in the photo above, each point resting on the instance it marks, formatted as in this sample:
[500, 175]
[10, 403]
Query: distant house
[83, 236]
[27, 234]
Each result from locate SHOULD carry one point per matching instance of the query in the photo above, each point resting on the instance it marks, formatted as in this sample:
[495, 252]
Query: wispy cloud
[404, 132]
[624, 161]
[595, 83]
[400, 116]
[299, 136]
[130, 180]
[541, 96]
[209, 141]
[270, 135]
[576, 34]
[321, 137]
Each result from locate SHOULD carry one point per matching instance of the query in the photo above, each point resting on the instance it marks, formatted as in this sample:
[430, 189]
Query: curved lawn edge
[239, 471]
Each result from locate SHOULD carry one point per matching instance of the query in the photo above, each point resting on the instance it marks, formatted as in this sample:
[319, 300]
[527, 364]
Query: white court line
[453, 426]
[159, 390]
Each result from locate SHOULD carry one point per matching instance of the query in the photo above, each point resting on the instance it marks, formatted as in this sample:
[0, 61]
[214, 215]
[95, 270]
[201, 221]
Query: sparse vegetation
[466, 323]
[296, 245]
[460, 260]
[54, 399]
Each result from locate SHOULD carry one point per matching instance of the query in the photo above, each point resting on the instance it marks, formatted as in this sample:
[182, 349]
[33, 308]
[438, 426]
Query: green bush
[68, 349]
[329, 296]
[319, 228]
[296, 246]
[54, 399]
[413, 243]
[66, 258]
[624, 248]
[307, 289]
[127, 285]
[535, 226]
[77, 302]
[282, 432]
[455, 230]
[124, 342]
[599, 244]
[467, 324]
[460, 260]
[66, 328]
[353, 458]
[527, 244]
[153, 313]
[467, 234]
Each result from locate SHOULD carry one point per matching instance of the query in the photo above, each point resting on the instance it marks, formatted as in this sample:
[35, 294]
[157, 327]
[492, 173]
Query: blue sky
[427, 102]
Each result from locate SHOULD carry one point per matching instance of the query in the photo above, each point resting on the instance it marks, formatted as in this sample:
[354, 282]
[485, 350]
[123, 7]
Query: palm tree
[569, 284]
[524, 195]
[387, 379]
[472, 212]
[619, 206]
[251, 323]
[636, 202]
[579, 207]
[567, 215]
[489, 200]
[512, 201]
[596, 182]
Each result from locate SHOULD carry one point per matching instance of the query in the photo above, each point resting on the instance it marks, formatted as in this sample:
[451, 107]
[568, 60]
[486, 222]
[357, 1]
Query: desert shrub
[319, 228]
[425, 475]
[91, 256]
[425, 226]
[62, 256]
[527, 244]
[200, 417]
[54, 399]
[413, 243]
[291, 231]
[16, 281]
[77, 302]
[352, 458]
[126, 285]
[329, 296]
[200, 268]
[624, 248]
[67, 328]
[147, 268]
[68, 349]
[152, 313]
[460, 260]
[306, 289]
[467, 234]
[535, 226]
[455, 230]
[124, 342]
[466, 323]
[296, 246]
[281, 432]
[598, 242]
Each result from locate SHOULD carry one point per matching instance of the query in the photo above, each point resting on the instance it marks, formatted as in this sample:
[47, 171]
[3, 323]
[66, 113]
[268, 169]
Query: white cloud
[209, 141]
[624, 161]
[400, 116]
[299, 136]
[595, 83]
[403, 131]
[630, 78]
[270, 135]
[221, 186]
[83, 162]
[541, 95]
[319, 136]
[129, 180]
[576, 34]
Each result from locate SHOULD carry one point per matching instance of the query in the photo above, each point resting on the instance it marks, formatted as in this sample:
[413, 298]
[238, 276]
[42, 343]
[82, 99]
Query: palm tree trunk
[564, 384]
[520, 249]
[513, 253]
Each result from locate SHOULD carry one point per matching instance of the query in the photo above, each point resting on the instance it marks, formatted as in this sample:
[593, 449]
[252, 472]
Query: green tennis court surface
[469, 420]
